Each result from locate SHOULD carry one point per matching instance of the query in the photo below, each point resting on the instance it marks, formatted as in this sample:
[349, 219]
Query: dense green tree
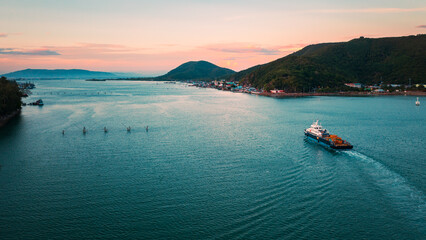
[10, 96]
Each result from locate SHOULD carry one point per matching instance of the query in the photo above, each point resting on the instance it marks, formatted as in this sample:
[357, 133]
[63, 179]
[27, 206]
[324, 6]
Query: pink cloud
[40, 52]
[421, 26]
[100, 45]
[3, 35]
[93, 49]
[292, 47]
[242, 48]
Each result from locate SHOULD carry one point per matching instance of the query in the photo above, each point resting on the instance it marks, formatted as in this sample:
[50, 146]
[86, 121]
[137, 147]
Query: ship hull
[325, 142]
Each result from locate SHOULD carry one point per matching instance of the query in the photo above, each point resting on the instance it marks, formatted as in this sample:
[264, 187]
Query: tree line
[10, 97]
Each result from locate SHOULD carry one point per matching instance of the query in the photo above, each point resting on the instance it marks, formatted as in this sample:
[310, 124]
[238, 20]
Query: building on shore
[354, 85]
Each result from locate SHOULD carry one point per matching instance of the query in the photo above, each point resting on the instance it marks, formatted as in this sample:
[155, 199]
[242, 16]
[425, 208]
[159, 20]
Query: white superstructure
[317, 130]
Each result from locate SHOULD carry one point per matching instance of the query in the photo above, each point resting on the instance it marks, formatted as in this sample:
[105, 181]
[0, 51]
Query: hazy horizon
[151, 38]
[124, 74]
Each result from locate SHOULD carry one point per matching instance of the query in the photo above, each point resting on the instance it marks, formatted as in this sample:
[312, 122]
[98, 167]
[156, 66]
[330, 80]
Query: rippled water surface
[213, 165]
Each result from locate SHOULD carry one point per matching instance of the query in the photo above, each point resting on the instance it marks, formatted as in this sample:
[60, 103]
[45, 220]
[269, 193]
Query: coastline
[343, 94]
[5, 119]
[254, 91]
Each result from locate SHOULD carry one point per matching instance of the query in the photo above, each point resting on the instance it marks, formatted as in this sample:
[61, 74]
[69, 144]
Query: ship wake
[407, 199]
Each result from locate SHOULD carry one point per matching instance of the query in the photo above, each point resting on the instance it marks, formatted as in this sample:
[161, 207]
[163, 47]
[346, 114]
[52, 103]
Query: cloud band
[42, 52]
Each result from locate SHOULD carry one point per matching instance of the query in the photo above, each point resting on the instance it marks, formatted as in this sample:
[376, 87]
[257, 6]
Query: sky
[153, 37]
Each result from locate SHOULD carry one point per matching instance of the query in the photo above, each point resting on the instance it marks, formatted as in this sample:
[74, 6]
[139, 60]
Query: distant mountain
[58, 73]
[200, 70]
[363, 60]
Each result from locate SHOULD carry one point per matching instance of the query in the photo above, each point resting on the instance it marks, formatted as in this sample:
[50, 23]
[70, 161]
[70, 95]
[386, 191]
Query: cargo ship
[319, 134]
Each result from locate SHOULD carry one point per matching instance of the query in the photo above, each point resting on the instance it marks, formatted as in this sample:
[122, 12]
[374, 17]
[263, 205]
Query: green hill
[200, 70]
[58, 73]
[363, 60]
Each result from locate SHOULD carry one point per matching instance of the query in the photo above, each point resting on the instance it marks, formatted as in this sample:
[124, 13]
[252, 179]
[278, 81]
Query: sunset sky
[152, 37]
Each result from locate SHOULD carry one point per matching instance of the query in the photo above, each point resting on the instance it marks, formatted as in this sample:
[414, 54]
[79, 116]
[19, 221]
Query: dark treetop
[10, 97]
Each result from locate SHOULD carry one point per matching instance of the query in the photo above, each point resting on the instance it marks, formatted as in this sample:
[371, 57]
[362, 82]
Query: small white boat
[417, 102]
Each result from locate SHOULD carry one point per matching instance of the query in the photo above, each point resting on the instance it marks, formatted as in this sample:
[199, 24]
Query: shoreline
[5, 119]
[308, 94]
[342, 94]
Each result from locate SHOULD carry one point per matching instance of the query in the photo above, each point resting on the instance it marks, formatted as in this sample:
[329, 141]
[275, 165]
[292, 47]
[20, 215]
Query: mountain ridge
[330, 65]
[58, 73]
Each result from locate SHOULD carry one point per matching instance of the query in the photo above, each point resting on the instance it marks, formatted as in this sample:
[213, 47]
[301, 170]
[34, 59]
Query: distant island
[10, 100]
[189, 71]
[58, 74]
[96, 80]
[196, 70]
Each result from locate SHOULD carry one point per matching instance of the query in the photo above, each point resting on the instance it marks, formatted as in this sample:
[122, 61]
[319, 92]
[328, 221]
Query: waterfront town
[350, 89]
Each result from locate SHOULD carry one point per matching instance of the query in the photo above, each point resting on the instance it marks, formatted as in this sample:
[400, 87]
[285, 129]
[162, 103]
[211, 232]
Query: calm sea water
[214, 165]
